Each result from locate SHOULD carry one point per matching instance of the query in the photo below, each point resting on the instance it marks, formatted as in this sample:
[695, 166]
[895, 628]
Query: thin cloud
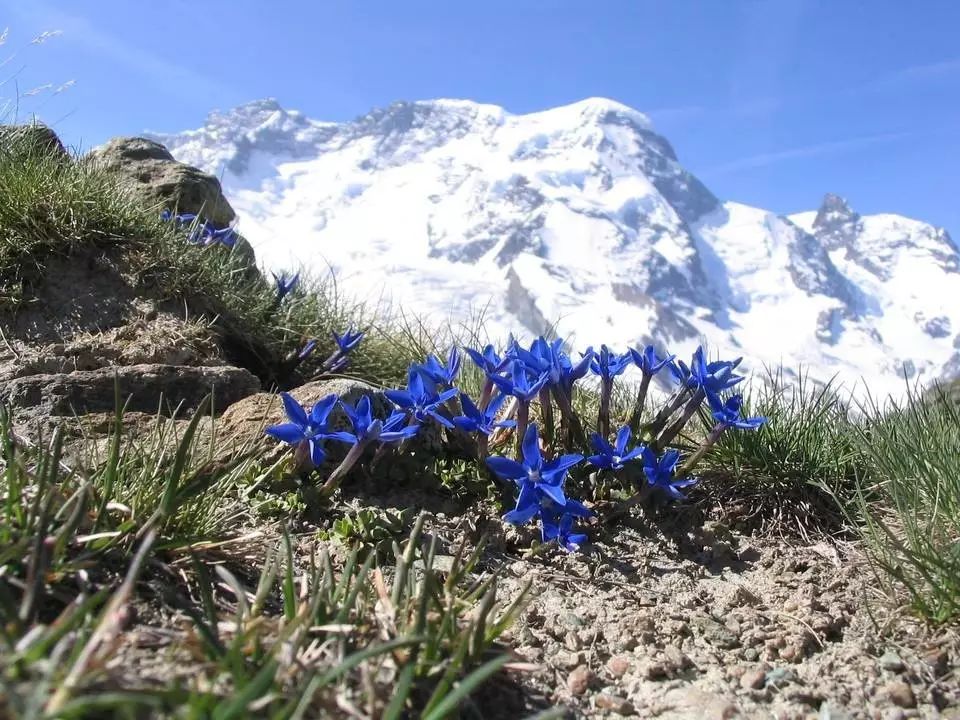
[166, 75]
[832, 147]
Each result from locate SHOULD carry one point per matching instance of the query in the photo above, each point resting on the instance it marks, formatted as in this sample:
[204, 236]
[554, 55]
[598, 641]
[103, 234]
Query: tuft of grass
[795, 466]
[908, 503]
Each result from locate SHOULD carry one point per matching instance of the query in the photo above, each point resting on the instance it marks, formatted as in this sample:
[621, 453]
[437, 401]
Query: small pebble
[891, 661]
[579, 679]
[753, 680]
[618, 665]
[900, 693]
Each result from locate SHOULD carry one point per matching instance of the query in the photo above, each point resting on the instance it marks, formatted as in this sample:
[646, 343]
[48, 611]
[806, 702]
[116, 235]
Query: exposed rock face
[150, 172]
[148, 387]
[836, 225]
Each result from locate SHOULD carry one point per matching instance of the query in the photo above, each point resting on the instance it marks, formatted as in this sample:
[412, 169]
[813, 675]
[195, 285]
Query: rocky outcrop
[149, 171]
[144, 388]
[91, 326]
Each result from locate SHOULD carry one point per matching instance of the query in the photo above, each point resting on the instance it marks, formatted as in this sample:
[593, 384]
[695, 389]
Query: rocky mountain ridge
[581, 216]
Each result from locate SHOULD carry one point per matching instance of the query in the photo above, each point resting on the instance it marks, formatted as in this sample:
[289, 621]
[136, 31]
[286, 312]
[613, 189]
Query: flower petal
[554, 492]
[317, 455]
[290, 433]
[294, 410]
[321, 410]
[531, 448]
[506, 468]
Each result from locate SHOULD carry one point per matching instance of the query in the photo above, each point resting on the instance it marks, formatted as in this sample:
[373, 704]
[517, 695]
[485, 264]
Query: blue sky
[769, 102]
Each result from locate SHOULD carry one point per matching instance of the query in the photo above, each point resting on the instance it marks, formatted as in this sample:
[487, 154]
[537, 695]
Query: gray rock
[150, 172]
[891, 661]
[146, 386]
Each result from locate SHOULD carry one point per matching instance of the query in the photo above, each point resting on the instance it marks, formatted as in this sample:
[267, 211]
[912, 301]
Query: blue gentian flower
[728, 413]
[481, 421]
[713, 377]
[309, 428]
[307, 349]
[660, 472]
[398, 428]
[348, 341]
[439, 374]
[181, 220]
[536, 479]
[613, 457]
[224, 236]
[418, 401]
[648, 361]
[285, 285]
[559, 528]
[609, 365]
[487, 359]
[570, 372]
[520, 383]
[367, 428]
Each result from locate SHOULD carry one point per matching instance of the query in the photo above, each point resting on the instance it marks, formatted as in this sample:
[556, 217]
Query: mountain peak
[837, 224]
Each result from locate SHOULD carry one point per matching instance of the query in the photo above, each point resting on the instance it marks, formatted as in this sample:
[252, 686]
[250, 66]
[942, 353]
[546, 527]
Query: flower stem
[336, 477]
[667, 411]
[523, 419]
[486, 394]
[546, 414]
[673, 430]
[708, 443]
[572, 425]
[637, 415]
[603, 417]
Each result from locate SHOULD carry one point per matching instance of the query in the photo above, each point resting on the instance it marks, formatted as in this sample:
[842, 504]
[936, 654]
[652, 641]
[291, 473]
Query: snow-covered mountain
[581, 216]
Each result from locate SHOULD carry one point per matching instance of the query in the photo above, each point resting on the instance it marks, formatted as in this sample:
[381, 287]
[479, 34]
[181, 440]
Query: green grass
[792, 469]
[84, 552]
[909, 501]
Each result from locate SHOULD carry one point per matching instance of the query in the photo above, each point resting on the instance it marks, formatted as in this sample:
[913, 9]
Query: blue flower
[418, 401]
[660, 472]
[398, 428]
[367, 428]
[481, 421]
[613, 457]
[348, 341]
[520, 383]
[181, 220]
[487, 359]
[554, 526]
[307, 349]
[570, 373]
[713, 377]
[536, 479]
[285, 286]
[728, 413]
[438, 374]
[609, 364]
[224, 236]
[309, 428]
[648, 361]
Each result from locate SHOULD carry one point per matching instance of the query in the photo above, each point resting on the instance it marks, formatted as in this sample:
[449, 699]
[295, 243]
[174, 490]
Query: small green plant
[908, 500]
[372, 530]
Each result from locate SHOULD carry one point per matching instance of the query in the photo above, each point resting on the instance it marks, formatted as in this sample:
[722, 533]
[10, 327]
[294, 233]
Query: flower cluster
[541, 379]
[201, 232]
